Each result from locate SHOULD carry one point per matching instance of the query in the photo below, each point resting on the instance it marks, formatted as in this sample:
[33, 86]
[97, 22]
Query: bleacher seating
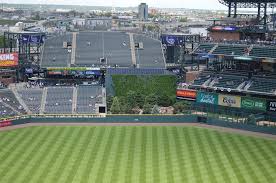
[9, 106]
[59, 100]
[92, 46]
[263, 52]
[202, 78]
[151, 56]
[263, 85]
[32, 98]
[87, 97]
[230, 50]
[205, 48]
[229, 81]
[54, 55]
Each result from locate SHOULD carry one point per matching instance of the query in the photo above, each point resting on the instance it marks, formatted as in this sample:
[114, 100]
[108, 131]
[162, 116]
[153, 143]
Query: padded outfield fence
[188, 118]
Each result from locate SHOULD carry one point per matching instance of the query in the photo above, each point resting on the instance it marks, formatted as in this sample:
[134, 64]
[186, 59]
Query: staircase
[8, 106]
[75, 100]
[43, 100]
[213, 49]
[17, 96]
[74, 46]
[132, 48]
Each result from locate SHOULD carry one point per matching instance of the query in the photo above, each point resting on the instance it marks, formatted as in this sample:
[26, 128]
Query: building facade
[143, 12]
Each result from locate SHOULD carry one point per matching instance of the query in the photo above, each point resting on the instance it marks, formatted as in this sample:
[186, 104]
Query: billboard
[271, 106]
[207, 98]
[253, 103]
[5, 123]
[28, 38]
[229, 101]
[186, 94]
[8, 59]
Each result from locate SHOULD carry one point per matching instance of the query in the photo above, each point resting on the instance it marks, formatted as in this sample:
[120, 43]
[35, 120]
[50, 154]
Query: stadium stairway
[17, 96]
[43, 100]
[8, 106]
[213, 49]
[132, 48]
[74, 46]
[75, 100]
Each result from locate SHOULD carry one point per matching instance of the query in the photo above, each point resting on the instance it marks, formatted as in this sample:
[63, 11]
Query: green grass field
[134, 154]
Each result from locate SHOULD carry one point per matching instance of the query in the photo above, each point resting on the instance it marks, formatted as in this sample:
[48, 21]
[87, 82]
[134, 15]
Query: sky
[192, 4]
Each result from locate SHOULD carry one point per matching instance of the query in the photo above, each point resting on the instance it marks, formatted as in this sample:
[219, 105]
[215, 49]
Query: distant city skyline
[192, 4]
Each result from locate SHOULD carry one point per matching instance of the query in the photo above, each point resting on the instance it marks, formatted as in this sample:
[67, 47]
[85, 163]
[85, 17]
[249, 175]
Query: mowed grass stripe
[117, 164]
[96, 154]
[72, 157]
[202, 168]
[230, 154]
[51, 158]
[218, 161]
[186, 155]
[105, 156]
[264, 166]
[113, 155]
[136, 156]
[143, 170]
[84, 159]
[155, 155]
[204, 150]
[34, 165]
[11, 160]
[56, 160]
[9, 152]
[27, 155]
[179, 155]
[129, 165]
[168, 158]
[7, 137]
[93, 154]
[194, 158]
[124, 156]
[81, 149]
[73, 141]
[242, 153]
[149, 164]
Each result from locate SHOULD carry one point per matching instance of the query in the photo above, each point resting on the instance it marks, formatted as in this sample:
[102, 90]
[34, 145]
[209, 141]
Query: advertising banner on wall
[36, 39]
[207, 98]
[271, 106]
[5, 123]
[253, 103]
[186, 94]
[229, 101]
[8, 59]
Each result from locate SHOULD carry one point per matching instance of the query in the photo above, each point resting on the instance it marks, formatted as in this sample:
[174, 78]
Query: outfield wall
[148, 119]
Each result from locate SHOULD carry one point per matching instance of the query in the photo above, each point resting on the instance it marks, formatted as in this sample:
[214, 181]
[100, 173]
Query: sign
[5, 123]
[271, 106]
[253, 103]
[229, 101]
[28, 38]
[207, 98]
[8, 59]
[186, 94]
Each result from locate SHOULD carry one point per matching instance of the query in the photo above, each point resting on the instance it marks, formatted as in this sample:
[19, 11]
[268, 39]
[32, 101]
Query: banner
[28, 38]
[253, 103]
[229, 101]
[186, 94]
[8, 59]
[5, 123]
[271, 106]
[207, 98]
